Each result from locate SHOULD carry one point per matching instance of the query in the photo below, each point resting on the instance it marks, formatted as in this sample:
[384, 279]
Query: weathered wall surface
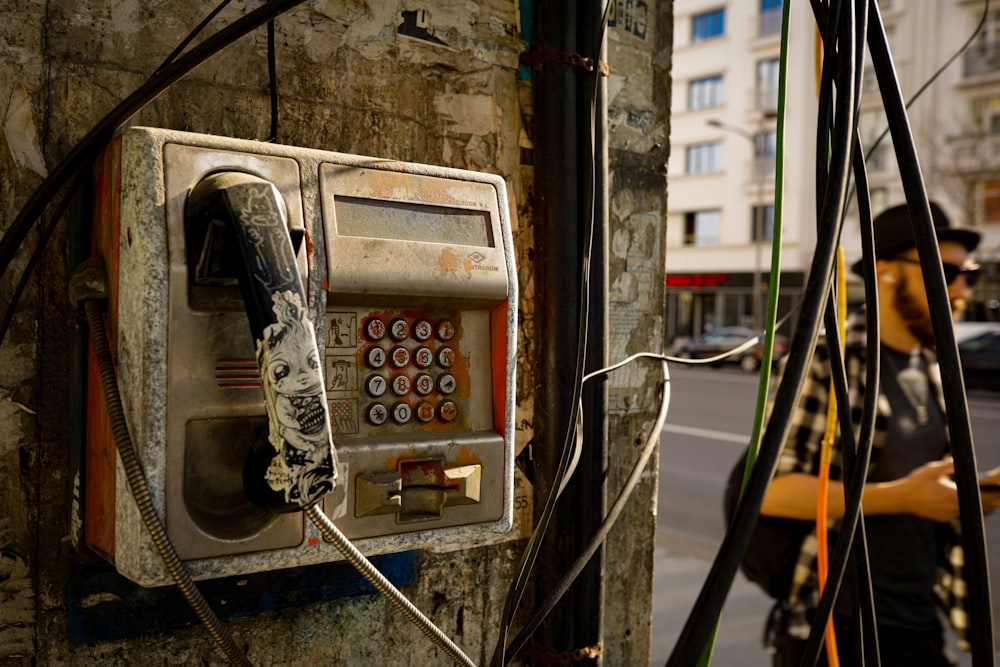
[434, 83]
[639, 49]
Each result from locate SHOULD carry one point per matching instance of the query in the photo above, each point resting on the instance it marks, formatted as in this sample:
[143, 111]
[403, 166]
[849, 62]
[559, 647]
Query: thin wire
[529, 556]
[564, 584]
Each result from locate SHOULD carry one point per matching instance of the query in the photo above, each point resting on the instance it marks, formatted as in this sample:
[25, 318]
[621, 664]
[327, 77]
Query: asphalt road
[709, 423]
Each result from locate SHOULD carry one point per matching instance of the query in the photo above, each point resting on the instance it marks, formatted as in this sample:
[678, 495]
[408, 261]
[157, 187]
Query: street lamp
[760, 177]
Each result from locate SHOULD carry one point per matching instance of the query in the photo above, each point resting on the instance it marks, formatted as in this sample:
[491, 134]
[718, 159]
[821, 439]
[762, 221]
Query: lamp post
[760, 178]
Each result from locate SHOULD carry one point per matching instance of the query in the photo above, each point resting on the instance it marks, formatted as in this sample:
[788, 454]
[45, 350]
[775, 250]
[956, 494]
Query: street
[708, 426]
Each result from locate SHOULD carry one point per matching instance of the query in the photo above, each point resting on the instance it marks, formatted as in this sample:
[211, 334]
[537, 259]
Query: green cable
[772, 288]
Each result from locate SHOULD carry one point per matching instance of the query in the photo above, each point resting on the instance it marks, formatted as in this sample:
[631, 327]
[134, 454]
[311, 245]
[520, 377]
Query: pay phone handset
[406, 272]
[240, 218]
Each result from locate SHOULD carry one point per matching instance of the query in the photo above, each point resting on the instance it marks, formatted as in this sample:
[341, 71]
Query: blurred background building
[725, 99]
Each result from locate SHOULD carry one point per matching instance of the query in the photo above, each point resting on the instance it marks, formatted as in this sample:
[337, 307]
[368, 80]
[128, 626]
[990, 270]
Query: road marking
[708, 434]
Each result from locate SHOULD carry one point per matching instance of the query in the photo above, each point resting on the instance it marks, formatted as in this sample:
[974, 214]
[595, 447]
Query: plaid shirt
[802, 454]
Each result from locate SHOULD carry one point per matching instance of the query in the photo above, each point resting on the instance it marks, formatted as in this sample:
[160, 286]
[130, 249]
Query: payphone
[388, 320]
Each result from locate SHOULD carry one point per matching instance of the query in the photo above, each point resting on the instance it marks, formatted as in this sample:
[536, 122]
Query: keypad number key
[401, 385]
[375, 357]
[424, 384]
[374, 329]
[423, 357]
[399, 329]
[375, 385]
[401, 413]
[422, 330]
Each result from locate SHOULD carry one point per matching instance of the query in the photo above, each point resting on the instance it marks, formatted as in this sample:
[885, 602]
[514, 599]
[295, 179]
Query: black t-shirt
[902, 548]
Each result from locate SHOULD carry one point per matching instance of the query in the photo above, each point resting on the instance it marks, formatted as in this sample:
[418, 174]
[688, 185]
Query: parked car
[726, 339]
[966, 330]
[980, 357]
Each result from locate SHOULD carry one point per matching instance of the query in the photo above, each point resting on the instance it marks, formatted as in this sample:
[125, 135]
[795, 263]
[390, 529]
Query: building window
[705, 92]
[986, 115]
[767, 84]
[762, 228]
[701, 228]
[871, 124]
[764, 152]
[991, 201]
[770, 17]
[704, 158]
[984, 55]
[708, 25]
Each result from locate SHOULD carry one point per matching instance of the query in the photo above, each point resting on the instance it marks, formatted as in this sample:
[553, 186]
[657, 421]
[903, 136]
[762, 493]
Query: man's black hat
[894, 233]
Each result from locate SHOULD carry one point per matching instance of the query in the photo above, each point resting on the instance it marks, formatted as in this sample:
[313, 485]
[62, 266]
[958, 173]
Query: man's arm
[928, 492]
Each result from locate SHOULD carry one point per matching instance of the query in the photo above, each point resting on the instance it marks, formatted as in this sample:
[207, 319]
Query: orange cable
[823, 491]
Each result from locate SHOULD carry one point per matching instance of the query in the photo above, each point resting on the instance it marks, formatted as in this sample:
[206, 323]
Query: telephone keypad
[420, 353]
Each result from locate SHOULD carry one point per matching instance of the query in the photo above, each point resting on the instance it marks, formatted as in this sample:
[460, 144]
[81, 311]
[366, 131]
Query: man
[910, 498]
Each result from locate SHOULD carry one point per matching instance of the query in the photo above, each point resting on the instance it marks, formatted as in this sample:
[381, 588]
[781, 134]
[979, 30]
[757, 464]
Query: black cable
[88, 148]
[956, 406]
[272, 81]
[699, 626]
[191, 35]
[36, 255]
[529, 556]
[863, 589]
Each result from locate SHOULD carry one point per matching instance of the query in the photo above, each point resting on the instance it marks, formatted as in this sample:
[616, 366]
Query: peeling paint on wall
[20, 131]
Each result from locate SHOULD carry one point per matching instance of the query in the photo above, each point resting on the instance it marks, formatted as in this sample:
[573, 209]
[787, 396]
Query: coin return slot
[419, 491]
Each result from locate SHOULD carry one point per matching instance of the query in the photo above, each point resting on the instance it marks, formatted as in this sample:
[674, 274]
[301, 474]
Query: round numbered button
[447, 383]
[425, 412]
[448, 411]
[375, 357]
[422, 330]
[377, 414]
[399, 357]
[446, 330]
[446, 357]
[399, 329]
[424, 384]
[375, 385]
[423, 357]
[401, 385]
[375, 329]
[401, 413]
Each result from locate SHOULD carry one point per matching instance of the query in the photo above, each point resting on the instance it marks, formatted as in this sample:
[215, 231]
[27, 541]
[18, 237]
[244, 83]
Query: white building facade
[723, 149]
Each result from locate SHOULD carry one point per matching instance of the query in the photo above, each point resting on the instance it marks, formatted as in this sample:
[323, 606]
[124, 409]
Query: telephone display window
[403, 221]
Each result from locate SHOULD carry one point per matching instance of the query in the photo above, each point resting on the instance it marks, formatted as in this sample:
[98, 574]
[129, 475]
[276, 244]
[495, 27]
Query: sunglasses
[970, 270]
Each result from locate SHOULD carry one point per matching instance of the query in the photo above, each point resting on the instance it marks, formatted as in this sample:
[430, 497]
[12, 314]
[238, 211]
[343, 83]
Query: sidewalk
[677, 581]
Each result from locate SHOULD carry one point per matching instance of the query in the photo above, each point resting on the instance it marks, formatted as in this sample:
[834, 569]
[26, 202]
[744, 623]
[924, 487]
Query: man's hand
[930, 492]
[991, 498]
